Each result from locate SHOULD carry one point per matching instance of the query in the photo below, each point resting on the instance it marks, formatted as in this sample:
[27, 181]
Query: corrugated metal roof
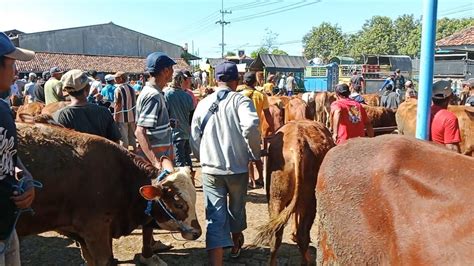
[109, 64]
[279, 61]
[463, 37]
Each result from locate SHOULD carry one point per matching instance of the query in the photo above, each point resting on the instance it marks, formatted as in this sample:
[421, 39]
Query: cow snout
[195, 233]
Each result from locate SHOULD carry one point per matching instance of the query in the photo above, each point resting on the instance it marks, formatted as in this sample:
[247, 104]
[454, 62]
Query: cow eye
[179, 206]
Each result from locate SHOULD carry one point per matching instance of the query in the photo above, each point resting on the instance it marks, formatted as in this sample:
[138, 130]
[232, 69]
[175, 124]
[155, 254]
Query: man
[187, 87]
[260, 102]
[204, 79]
[30, 88]
[390, 98]
[444, 124]
[399, 81]
[410, 91]
[108, 91]
[290, 84]
[268, 88]
[355, 95]
[39, 89]
[224, 147]
[467, 87]
[357, 82]
[81, 115]
[53, 87]
[153, 133]
[10, 199]
[180, 108]
[388, 81]
[138, 87]
[348, 117]
[96, 85]
[124, 115]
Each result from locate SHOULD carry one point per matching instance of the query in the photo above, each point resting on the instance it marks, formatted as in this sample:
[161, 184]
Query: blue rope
[159, 178]
[20, 187]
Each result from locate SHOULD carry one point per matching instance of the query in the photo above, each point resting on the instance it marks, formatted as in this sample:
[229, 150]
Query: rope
[124, 111]
[4, 244]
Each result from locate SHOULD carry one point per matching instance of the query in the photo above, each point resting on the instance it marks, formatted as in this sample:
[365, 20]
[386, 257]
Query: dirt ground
[51, 248]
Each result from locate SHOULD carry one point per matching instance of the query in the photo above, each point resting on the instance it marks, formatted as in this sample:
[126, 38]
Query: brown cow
[309, 99]
[295, 154]
[32, 109]
[295, 109]
[380, 116]
[372, 99]
[323, 107]
[51, 108]
[91, 201]
[406, 123]
[401, 202]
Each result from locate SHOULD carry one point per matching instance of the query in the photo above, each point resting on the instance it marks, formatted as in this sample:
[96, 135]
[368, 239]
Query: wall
[105, 39]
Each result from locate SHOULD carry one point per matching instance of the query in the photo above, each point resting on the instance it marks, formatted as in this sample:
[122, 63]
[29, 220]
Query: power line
[451, 9]
[274, 11]
[223, 23]
[261, 4]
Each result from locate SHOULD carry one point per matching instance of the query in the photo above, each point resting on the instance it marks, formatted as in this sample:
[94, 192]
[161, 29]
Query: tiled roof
[463, 37]
[108, 64]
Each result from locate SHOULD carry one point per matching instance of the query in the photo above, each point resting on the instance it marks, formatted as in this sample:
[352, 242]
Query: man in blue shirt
[109, 89]
[10, 199]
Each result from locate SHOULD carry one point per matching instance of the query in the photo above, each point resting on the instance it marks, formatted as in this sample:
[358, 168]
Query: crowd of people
[158, 117]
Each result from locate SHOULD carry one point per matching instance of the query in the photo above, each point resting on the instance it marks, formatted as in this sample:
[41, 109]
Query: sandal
[236, 254]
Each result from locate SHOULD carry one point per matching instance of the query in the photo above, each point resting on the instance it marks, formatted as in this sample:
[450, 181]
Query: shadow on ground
[49, 251]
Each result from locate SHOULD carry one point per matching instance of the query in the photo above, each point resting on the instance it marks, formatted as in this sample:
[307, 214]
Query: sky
[193, 21]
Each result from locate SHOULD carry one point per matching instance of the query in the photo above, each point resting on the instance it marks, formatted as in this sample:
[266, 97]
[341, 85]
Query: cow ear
[150, 192]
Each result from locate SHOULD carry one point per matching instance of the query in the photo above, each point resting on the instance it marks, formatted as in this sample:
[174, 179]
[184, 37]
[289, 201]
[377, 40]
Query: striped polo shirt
[126, 94]
[153, 115]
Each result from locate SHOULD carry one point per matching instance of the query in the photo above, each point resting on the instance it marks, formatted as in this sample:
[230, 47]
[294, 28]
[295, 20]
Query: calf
[323, 101]
[295, 109]
[380, 116]
[295, 154]
[91, 201]
[372, 99]
[394, 200]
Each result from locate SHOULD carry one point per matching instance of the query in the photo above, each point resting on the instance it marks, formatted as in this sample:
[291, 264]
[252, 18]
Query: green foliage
[229, 53]
[279, 52]
[324, 41]
[379, 35]
[261, 50]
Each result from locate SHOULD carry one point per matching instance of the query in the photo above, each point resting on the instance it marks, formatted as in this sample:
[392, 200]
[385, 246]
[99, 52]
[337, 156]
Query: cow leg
[295, 226]
[307, 215]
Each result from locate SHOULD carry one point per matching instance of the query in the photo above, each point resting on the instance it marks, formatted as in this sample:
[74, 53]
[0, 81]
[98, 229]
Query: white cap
[109, 77]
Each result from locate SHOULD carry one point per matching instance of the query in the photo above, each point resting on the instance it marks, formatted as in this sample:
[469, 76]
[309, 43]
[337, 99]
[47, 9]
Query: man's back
[390, 100]
[260, 102]
[126, 94]
[51, 88]
[352, 120]
[90, 118]
[290, 82]
[444, 126]
[230, 134]
[108, 92]
[180, 106]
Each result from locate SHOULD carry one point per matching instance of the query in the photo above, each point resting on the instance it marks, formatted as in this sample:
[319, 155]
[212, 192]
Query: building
[105, 48]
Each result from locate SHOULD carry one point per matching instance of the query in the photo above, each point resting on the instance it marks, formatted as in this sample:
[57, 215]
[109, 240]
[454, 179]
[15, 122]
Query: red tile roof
[109, 64]
[463, 37]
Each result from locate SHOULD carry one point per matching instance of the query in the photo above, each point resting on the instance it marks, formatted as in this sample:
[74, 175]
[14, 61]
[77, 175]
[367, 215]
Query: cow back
[400, 203]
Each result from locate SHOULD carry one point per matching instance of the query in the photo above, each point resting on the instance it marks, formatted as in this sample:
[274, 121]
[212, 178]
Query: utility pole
[223, 23]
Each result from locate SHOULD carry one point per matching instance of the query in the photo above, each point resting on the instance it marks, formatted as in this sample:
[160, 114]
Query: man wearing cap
[188, 87]
[53, 87]
[108, 91]
[10, 199]
[388, 81]
[81, 115]
[390, 99]
[260, 102]
[180, 108]
[153, 133]
[124, 110]
[224, 138]
[30, 88]
[444, 124]
[466, 92]
[348, 117]
[410, 91]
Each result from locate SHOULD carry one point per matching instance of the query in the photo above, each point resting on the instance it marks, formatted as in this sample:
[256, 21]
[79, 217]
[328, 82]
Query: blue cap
[9, 50]
[157, 61]
[227, 71]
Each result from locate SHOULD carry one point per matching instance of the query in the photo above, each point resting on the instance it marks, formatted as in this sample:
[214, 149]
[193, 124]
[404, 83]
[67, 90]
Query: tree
[261, 50]
[324, 41]
[447, 26]
[376, 37]
[407, 39]
[229, 53]
[269, 40]
[279, 52]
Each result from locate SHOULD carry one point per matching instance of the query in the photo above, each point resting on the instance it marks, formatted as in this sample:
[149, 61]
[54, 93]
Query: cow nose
[196, 235]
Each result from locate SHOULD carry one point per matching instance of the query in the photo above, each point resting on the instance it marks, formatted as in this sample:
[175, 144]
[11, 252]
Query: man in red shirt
[444, 124]
[348, 117]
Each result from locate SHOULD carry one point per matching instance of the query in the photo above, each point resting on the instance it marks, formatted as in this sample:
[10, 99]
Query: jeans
[224, 217]
[11, 257]
[182, 151]
[127, 130]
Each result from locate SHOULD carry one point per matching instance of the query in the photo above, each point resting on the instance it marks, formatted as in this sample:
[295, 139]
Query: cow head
[178, 195]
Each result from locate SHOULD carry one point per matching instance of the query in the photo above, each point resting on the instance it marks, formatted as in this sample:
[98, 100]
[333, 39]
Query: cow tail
[267, 231]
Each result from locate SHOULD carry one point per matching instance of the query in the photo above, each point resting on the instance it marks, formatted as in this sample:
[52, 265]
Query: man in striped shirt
[125, 101]
[154, 134]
